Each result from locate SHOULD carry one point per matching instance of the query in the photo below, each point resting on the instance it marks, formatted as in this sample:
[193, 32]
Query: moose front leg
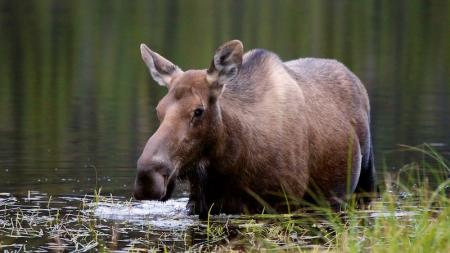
[197, 200]
[197, 203]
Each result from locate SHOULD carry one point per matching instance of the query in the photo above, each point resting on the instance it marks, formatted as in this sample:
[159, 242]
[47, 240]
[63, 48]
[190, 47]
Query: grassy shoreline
[412, 214]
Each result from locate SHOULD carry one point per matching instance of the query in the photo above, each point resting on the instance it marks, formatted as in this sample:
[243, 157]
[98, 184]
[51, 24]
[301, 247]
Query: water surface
[77, 103]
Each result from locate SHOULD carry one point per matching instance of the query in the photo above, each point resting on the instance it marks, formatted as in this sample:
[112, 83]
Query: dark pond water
[77, 103]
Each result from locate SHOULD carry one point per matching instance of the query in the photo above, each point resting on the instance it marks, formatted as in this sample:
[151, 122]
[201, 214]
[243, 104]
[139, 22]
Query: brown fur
[272, 133]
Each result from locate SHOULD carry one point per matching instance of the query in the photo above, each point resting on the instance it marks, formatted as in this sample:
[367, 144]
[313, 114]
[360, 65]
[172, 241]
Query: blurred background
[77, 102]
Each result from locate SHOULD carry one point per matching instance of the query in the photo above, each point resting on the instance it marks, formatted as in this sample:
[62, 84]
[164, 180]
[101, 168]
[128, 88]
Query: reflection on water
[77, 103]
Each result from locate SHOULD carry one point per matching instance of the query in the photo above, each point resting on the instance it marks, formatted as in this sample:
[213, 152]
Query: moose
[253, 133]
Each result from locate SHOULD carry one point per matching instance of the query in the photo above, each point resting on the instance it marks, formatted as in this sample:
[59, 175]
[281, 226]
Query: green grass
[412, 214]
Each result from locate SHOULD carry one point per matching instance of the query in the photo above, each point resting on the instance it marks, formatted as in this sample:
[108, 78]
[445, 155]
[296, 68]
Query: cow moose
[254, 133]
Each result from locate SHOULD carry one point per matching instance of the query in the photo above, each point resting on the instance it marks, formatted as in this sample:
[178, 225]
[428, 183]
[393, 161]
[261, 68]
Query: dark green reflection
[74, 93]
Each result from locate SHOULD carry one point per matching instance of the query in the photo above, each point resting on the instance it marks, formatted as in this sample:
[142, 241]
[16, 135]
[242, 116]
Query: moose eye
[198, 112]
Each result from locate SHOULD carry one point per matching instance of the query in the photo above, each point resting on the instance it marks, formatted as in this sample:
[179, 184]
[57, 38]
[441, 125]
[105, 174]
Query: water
[39, 222]
[169, 214]
[77, 103]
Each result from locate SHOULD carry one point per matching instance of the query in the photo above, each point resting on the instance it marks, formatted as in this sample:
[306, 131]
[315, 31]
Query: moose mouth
[170, 183]
[142, 192]
[157, 180]
[154, 183]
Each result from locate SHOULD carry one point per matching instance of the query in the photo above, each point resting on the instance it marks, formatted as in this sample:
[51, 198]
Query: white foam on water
[170, 214]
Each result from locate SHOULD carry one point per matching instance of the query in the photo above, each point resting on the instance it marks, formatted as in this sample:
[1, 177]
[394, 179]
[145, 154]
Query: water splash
[170, 214]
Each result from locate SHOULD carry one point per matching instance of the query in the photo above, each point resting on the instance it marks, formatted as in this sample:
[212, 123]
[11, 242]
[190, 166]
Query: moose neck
[229, 144]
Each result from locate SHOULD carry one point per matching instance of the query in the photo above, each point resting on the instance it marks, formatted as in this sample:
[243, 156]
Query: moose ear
[226, 63]
[161, 69]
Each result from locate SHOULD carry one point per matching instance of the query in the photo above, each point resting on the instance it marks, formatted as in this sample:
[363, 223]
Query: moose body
[253, 133]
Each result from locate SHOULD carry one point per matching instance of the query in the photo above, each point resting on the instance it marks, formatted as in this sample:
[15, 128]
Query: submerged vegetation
[412, 214]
